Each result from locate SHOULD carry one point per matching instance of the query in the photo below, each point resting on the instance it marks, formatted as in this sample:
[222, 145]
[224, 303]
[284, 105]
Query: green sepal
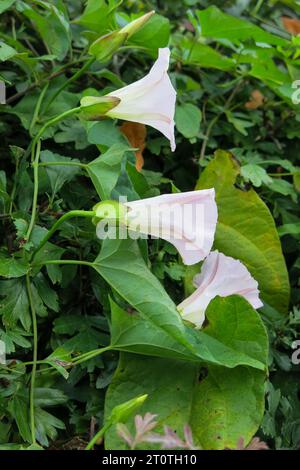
[94, 108]
[110, 210]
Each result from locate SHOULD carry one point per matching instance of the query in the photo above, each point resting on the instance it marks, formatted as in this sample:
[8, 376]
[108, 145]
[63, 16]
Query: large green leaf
[218, 25]
[122, 266]
[52, 26]
[196, 53]
[168, 384]
[154, 34]
[98, 15]
[218, 344]
[222, 408]
[233, 321]
[246, 230]
[227, 405]
[105, 170]
[133, 333]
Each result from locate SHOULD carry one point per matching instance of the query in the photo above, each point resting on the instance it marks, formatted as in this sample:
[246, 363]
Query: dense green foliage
[74, 350]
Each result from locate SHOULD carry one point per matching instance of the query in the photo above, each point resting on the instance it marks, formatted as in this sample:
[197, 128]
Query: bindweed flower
[220, 275]
[186, 220]
[149, 101]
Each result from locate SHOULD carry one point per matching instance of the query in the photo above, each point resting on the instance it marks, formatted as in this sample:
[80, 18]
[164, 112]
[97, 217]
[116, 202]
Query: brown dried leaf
[136, 134]
[256, 100]
[292, 25]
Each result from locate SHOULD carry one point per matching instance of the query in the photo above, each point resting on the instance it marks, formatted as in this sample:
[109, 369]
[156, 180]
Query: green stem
[74, 362]
[34, 360]
[28, 363]
[89, 355]
[52, 122]
[61, 220]
[35, 191]
[37, 109]
[281, 174]
[217, 117]
[98, 436]
[207, 135]
[64, 261]
[74, 77]
[81, 165]
[257, 7]
[14, 189]
[35, 156]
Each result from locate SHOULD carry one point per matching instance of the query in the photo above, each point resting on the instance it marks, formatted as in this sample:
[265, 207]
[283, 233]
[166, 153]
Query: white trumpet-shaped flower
[220, 275]
[187, 220]
[149, 101]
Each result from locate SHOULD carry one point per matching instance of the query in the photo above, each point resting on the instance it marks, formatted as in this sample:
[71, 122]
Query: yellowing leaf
[246, 230]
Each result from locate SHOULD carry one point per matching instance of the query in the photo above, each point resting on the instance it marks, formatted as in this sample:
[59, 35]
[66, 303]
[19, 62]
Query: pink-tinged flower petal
[187, 220]
[151, 100]
[220, 275]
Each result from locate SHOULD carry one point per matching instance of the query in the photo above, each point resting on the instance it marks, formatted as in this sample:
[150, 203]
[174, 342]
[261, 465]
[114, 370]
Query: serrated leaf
[20, 411]
[255, 174]
[12, 267]
[48, 295]
[59, 175]
[15, 306]
[46, 426]
[6, 52]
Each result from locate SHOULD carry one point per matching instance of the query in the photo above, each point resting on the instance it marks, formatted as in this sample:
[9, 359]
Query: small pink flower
[187, 220]
[149, 101]
[220, 275]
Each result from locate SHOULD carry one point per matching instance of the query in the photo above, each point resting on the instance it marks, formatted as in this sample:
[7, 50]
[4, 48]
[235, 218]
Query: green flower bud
[106, 45]
[134, 26]
[94, 108]
[122, 413]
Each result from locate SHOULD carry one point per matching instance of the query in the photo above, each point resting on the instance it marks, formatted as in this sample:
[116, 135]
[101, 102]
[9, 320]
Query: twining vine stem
[98, 436]
[61, 220]
[74, 77]
[34, 362]
[35, 156]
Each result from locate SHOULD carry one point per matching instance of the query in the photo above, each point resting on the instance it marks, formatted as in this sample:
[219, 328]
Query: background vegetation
[233, 64]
